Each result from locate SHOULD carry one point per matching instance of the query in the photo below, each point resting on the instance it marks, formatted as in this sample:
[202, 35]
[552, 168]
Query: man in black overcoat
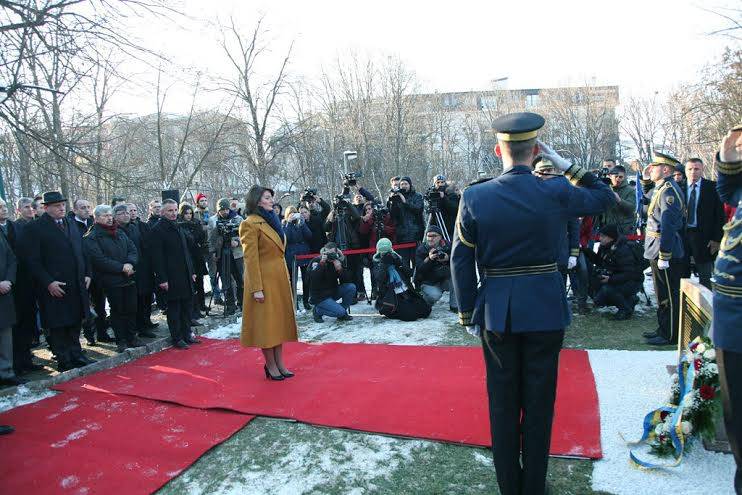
[62, 277]
[174, 273]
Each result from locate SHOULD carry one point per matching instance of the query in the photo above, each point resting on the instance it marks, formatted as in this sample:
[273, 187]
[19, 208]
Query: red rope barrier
[358, 251]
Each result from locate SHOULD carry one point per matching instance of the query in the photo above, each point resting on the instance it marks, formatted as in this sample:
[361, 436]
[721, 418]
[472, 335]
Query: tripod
[435, 214]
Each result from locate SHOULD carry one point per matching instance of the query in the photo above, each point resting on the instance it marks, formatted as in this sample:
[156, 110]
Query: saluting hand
[555, 158]
[730, 149]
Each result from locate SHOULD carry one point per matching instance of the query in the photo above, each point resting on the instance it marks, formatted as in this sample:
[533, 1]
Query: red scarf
[111, 229]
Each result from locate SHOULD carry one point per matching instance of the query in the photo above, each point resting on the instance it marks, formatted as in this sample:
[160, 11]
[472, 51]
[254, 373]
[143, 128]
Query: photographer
[298, 236]
[617, 276]
[406, 207]
[342, 229]
[444, 199]
[318, 211]
[329, 281]
[225, 251]
[433, 270]
[621, 214]
[397, 299]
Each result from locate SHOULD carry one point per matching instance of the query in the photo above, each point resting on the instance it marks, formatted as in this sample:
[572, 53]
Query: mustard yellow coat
[272, 322]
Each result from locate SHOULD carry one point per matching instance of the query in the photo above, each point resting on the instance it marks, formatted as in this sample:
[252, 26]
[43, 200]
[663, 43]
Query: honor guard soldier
[727, 320]
[510, 229]
[663, 245]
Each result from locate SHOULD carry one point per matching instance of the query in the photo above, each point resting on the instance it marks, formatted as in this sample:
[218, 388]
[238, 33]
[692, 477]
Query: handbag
[388, 304]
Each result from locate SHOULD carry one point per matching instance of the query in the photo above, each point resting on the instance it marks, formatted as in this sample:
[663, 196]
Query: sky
[642, 46]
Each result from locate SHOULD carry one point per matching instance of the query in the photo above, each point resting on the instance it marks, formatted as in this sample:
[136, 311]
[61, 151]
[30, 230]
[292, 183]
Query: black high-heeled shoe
[268, 375]
[288, 374]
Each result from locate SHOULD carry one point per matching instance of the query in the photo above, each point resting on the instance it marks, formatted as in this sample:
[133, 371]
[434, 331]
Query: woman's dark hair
[184, 207]
[253, 198]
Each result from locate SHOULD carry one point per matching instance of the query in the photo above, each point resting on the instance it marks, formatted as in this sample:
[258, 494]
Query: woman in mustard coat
[268, 305]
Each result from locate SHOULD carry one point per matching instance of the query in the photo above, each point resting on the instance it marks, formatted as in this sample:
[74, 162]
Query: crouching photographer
[617, 276]
[397, 299]
[330, 281]
[433, 268]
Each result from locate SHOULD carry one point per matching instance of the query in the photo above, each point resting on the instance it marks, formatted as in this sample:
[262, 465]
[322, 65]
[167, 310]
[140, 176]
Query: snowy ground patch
[23, 395]
[630, 384]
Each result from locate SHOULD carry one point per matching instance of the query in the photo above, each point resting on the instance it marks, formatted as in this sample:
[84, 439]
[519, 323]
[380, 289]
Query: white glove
[663, 264]
[559, 162]
[571, 262]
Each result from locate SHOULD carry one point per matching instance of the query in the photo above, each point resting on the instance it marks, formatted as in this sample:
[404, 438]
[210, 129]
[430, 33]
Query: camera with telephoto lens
[309, 194]
[439, 254]
[226, 227]
[351, 179]
[603, 174]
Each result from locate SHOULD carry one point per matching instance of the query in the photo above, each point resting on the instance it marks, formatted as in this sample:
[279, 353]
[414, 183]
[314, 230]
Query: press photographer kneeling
[617, 275]
[433, 268]
[328, 282]
[397, 299]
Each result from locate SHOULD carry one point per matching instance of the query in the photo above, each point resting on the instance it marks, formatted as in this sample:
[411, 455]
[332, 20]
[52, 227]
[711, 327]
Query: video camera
[227, 228]
[603, 174]
[351, 179]
[309, 194]
[433, 196]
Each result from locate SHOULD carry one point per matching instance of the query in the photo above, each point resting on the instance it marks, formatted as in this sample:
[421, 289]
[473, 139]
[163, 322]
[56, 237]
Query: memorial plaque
[695, 313]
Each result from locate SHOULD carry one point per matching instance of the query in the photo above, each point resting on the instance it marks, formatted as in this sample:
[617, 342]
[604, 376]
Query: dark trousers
[199, 299]
[65, 343]
[521, 384]
[179, 318]
[667, 289]
[304, 280]
[98, 302]
[730, 376]
[24, 330]
[123, 302]
[407, 255]
[618, 295]
[578, 279]
[704, 268]
[144, 311]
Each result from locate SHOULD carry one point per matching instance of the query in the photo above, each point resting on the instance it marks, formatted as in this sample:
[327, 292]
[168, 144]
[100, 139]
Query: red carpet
[435, 393]
[85, 443]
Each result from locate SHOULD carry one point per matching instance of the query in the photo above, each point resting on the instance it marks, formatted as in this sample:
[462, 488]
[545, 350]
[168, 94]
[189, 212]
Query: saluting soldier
[728, 295]
[510, 227]
[663, 245]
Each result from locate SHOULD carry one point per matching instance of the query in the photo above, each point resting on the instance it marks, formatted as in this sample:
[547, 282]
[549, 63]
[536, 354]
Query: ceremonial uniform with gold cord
[727, 307]
[504, 270]
[663, 241]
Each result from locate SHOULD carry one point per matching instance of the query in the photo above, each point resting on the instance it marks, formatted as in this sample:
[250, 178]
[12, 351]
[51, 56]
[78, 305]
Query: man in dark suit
[62, 277]
[174, 273]
[704, 222]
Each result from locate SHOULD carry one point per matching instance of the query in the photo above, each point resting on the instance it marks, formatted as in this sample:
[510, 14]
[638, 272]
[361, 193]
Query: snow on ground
[359, 460]
[23, 395]
[630, 384]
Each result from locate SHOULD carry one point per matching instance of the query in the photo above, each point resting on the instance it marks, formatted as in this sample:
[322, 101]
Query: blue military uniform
[663, 241]
[727, 319]
[504, 271]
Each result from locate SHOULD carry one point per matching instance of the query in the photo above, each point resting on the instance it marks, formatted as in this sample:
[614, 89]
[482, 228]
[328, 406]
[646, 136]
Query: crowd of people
[98, 268]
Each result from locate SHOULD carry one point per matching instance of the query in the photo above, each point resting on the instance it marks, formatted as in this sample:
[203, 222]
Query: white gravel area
[630, 384]
[23, 395]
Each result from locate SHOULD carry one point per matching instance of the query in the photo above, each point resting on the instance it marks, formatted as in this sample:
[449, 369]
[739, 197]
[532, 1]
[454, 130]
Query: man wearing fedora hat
[62, 276]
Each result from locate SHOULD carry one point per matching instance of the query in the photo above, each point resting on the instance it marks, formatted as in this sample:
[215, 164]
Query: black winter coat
[80, 228]
[408, 217]
[107, 255]
[171, 259]
[139, 232]
[196, 240]
[317, 226]
[428, 271]
[324, 280]
[381, 275]
[56, 255]
[8, 268]
[619, 259]
[351, 220]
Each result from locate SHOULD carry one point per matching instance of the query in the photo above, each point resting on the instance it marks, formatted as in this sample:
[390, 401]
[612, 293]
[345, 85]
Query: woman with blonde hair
[268, 307]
